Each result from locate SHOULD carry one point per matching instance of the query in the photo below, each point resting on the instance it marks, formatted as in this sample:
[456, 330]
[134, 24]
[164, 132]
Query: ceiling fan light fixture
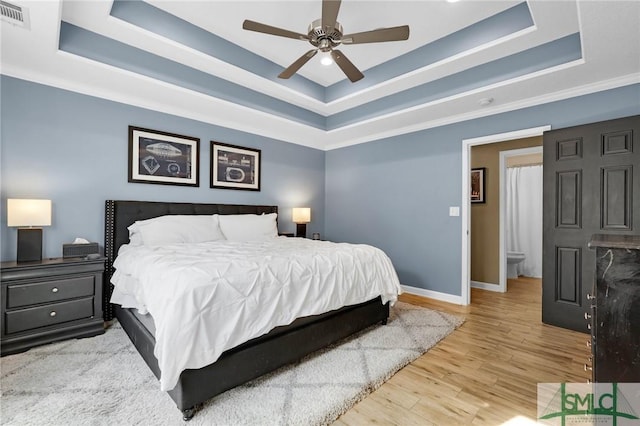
[326, 34]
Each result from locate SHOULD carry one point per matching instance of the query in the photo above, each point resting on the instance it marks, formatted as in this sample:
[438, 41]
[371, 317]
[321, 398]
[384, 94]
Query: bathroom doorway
[497, 250]
[521, 213]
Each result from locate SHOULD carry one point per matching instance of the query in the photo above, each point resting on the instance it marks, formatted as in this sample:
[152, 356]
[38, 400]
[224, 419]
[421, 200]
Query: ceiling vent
[14, 14]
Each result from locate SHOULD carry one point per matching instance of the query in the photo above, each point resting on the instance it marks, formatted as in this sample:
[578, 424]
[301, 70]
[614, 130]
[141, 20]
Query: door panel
[591, 174]
[568, 261]
[616, 197]
[569, 200]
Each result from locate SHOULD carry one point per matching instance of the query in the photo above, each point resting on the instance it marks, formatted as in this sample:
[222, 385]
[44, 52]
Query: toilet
[513, 258]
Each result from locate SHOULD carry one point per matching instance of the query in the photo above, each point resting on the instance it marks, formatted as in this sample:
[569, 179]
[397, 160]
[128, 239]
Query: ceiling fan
[325, 35]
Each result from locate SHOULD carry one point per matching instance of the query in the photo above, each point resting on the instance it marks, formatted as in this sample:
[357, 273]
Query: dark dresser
[50, 300]
[615, 309]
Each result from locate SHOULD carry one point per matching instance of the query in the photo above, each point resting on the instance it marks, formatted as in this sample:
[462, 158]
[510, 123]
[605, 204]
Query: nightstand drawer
[49, 291]
[42, 316]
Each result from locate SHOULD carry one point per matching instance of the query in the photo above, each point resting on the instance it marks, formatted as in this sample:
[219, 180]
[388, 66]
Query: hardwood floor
[486, 372]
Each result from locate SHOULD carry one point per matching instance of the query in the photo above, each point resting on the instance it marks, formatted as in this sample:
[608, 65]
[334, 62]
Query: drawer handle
[588, 343]
[587, 315]
[52, 314]
[590, 297]
[587, 367]
[54, 290]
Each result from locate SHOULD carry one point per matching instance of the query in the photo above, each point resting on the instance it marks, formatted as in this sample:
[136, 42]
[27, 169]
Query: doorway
[505, 157]
[466, 204]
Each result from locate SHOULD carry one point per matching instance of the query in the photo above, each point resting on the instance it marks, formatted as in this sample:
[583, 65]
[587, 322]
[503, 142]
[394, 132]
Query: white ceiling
[427, 20]
[609, 34]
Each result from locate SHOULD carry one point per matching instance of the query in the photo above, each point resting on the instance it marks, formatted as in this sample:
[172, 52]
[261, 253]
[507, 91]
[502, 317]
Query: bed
[246, 361]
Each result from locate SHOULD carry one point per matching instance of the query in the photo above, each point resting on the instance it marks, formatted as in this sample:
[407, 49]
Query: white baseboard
[444, 297]
[485, 286]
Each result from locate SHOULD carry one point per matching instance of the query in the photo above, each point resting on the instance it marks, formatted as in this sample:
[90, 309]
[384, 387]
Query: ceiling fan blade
[330, 9]
[376, 36]
[346, 66]
[294, 67]
[268, 29]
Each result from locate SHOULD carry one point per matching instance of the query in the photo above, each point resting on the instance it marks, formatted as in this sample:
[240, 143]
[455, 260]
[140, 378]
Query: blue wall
[395, 193]
[72, 149]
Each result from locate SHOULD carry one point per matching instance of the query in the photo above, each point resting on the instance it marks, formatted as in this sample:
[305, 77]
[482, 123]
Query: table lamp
[28, 216]
[301, 216]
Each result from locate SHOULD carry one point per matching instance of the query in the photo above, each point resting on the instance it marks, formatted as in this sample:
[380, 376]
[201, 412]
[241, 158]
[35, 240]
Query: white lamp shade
[301, 215]
[28, 212]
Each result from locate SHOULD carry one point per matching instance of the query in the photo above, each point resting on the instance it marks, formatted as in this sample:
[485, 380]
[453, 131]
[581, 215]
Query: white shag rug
[103, 380]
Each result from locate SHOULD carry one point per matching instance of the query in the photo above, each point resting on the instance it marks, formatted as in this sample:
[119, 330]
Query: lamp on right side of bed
[301, 216]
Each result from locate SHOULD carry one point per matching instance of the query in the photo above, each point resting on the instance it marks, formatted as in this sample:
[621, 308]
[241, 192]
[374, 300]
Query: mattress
[210, 297]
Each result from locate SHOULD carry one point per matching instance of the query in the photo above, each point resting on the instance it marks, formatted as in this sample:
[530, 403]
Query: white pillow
[249, 227]
[175, 229]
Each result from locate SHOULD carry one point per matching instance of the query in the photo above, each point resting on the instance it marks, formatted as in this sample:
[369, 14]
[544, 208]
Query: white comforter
[206, 298]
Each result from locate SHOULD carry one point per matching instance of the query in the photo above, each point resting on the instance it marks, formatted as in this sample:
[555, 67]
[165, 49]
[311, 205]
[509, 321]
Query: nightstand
[50, 300]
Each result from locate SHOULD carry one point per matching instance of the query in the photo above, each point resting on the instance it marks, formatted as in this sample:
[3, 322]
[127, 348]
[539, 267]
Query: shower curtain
[524, 217]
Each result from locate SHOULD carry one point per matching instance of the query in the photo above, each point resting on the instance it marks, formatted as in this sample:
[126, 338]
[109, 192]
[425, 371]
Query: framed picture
[477, 185]
[163, 158]
[235, 167]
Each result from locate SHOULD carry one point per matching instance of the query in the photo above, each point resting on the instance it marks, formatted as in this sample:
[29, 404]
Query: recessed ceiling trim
[74, 39]
[158, 21]
[457, 97]
[512, 20]
[97, 19]
[344, 140]
[461, 97]
[414, 78]
[79, 41]
[546, 56]
[84, 77]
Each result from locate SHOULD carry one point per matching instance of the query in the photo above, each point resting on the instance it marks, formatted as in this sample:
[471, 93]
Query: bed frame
[281, 346]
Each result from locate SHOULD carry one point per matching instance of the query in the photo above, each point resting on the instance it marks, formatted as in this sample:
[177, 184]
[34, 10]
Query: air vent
[14, 14]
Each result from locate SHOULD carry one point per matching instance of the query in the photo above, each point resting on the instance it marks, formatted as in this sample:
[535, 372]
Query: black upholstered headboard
[119, 215]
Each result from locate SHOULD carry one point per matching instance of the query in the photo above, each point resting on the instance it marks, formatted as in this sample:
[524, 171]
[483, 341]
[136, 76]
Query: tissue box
[79, 250]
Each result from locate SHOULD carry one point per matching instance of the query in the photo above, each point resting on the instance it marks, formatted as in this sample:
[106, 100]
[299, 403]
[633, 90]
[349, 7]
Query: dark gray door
[591, 185]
